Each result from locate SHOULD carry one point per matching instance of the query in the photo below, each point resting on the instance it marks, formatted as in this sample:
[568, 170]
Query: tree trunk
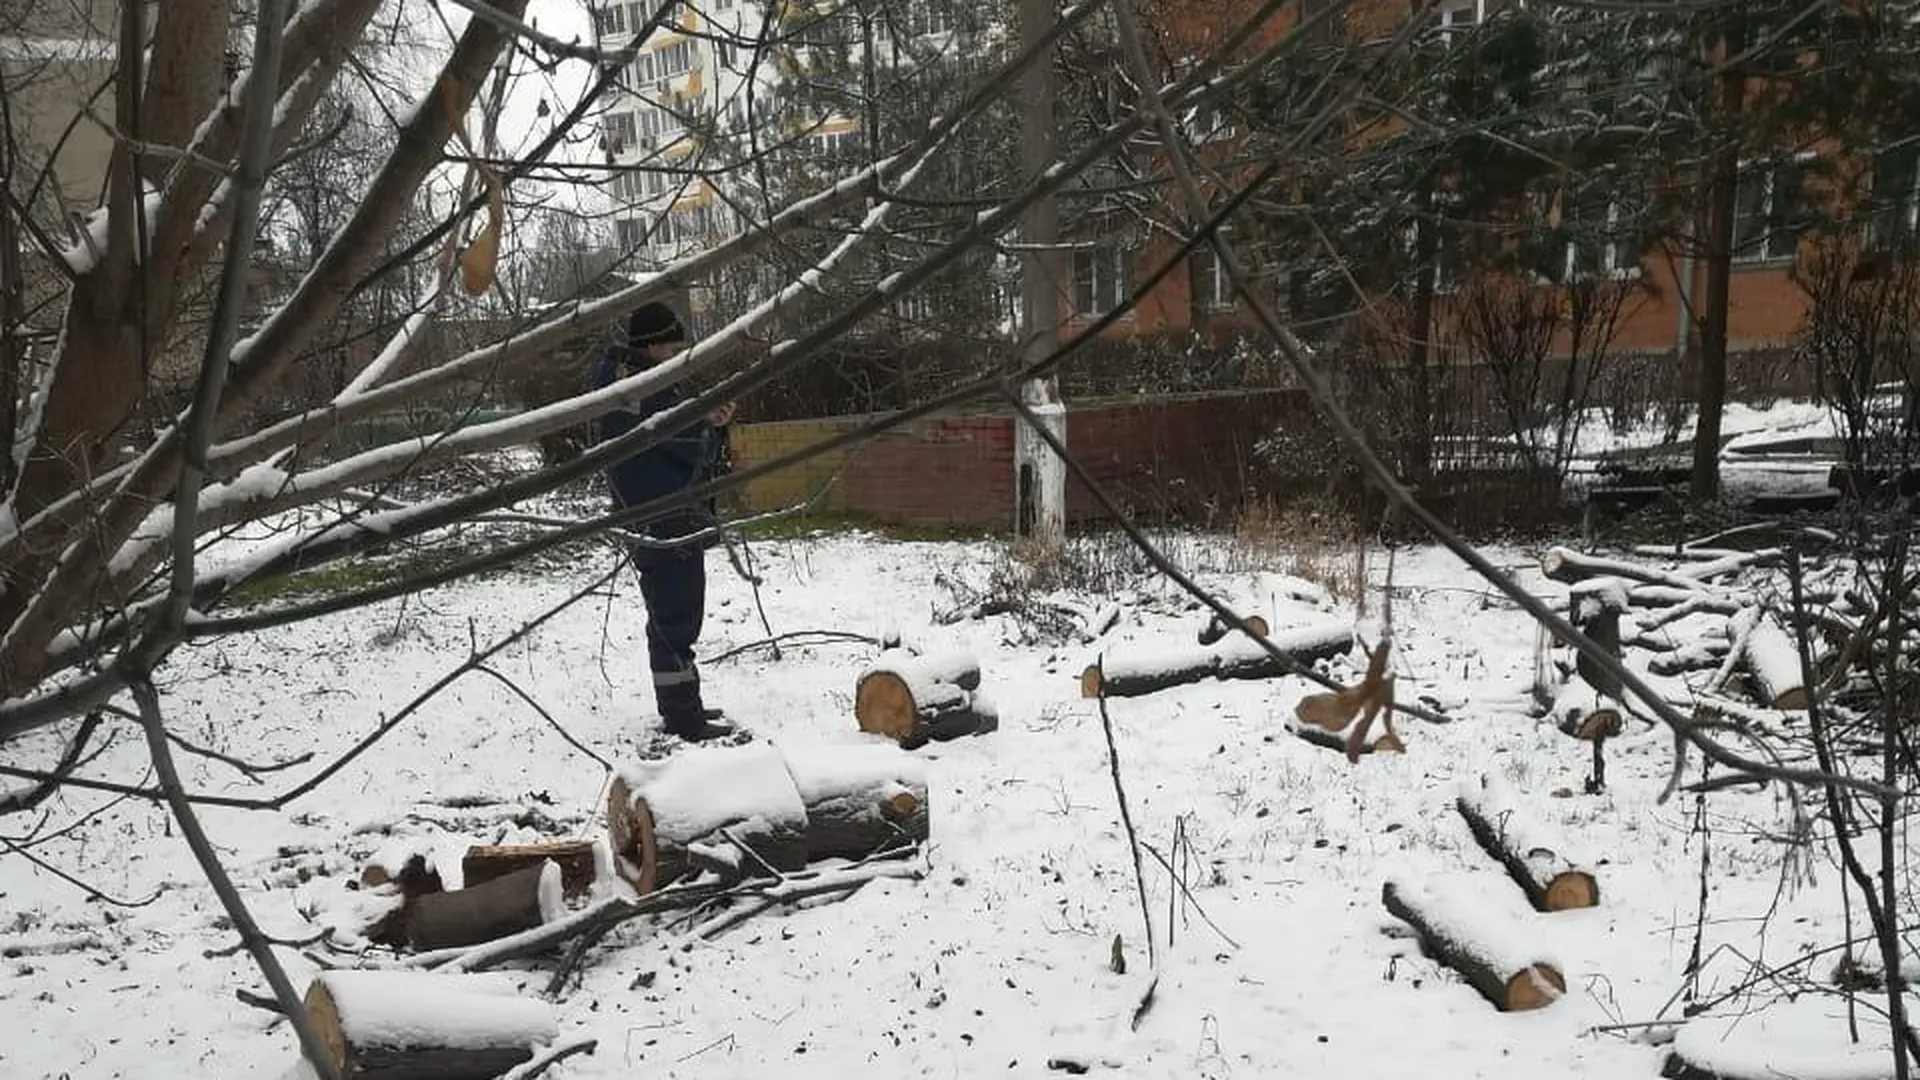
[860, 800]
[912, 699]
[521, 900]
[1773, 664]
[665, 818]
[1723, 186]
[1040, 476]
[1486, 943]
[1234, 658]
[578, 861]
[1534, 857]
[413, 1025]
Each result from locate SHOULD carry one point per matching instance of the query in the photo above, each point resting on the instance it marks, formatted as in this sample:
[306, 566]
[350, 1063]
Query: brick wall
[1168, 457]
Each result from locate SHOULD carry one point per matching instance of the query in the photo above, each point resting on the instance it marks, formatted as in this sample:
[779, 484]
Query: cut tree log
[1773, 664]
[912, 699]
[404, 871]
[860, 800]
[1534, 856]
[578, 861]
[666, 817]
[411, 1025]
[1217, 629]
[1132, 674]
[1463, 925]
[521, 900]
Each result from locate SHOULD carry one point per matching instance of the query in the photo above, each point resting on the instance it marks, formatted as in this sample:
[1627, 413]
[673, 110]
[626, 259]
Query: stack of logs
[1488, 933]
[1706, 627]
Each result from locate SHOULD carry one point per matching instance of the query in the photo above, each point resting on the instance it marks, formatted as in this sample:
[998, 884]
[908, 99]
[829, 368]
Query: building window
[621, 132]
[629, 233]
[929, 17]
[1212, 287]
[1893, 220]
[833, 145]
[1603, 240]
[1454, 17]
[1102, 278]
[1766, 212]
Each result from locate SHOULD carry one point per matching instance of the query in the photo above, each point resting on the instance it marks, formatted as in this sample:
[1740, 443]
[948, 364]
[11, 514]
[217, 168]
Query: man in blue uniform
[672, 557]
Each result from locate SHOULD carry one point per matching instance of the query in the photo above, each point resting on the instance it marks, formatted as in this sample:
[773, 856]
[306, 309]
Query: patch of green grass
[325, 581]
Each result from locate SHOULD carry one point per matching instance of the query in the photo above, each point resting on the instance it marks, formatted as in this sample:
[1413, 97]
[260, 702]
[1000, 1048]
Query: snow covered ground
[998, 961]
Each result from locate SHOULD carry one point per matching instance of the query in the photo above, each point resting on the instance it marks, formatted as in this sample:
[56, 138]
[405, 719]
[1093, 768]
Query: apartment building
[1773, 231]
[722, 82]
[56, 62]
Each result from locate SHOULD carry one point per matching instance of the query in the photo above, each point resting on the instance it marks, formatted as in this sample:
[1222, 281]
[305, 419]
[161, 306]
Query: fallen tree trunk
[1234, 658]
[1569, 567]
[665, 817]
[1773, 664]
[1485, 942]
[859, 800]
[505, 905]
[578, 861]
[913, 699]
[1534, 857]
[410, 1025]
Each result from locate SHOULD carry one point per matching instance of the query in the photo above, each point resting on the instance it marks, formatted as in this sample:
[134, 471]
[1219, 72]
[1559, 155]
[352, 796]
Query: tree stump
[1463, 925]
[913, 699]
[1532, 855]
[412, 1025]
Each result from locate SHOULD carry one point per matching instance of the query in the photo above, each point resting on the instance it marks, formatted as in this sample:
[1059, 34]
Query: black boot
[698, 726]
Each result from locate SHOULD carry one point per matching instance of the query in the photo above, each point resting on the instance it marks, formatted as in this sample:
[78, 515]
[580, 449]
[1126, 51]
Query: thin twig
[161, 752]
[74, 881]
[1188, 894]
[546, 1059]
[483, 669]
[1126, 816]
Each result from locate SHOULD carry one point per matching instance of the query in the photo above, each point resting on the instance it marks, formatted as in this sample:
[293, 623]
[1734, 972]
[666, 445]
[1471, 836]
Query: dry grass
[1312, 538]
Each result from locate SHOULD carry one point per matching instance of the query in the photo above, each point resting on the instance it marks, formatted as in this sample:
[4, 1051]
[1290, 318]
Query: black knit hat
[654, 323]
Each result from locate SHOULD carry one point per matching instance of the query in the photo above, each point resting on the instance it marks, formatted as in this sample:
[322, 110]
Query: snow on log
[1583, 712]
[508, 904]
[1237, 657]
[1567, 566]
[859, 799]
[1534, 856]
[1807, 1037]
[912, 698]
[1465, 923]
[1217, 629]
[1773, 662]
[1698, 654]
[400, 872]
[1096, 625]
[665, 816]
[412, 1025]
[577, 859]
